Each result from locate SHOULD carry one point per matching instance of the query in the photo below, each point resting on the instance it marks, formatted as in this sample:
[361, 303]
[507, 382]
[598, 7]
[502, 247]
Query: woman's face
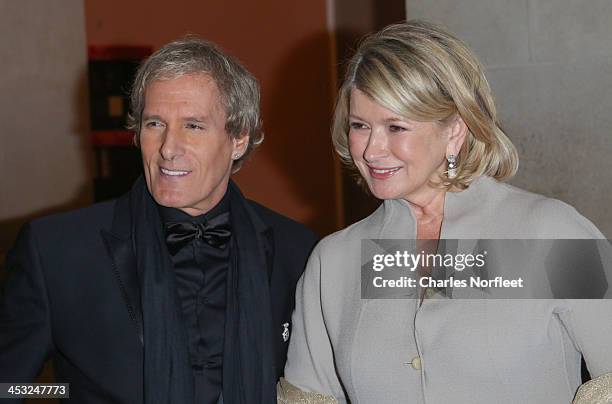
[396, 156]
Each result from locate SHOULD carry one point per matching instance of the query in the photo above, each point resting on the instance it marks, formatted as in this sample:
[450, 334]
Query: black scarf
[249, 376]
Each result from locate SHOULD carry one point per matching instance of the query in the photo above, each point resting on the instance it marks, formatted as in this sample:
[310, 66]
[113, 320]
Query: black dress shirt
[201, 272]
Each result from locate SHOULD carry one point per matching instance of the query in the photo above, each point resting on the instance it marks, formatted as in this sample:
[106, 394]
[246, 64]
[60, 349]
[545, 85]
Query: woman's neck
[429, 214]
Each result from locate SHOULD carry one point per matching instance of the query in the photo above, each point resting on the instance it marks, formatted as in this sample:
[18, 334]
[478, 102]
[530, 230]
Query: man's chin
[167, 200]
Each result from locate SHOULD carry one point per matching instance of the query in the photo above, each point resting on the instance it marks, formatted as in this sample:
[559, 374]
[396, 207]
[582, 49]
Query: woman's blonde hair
[421, 72]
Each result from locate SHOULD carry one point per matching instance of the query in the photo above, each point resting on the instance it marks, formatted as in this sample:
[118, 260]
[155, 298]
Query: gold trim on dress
[596, 391]
[287, 393]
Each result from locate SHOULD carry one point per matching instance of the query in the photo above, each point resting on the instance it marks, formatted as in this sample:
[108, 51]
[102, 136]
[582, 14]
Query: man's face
[186, 152]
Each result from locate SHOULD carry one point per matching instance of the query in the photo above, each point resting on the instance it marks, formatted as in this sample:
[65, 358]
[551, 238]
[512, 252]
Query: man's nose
[377, 147]
[173, 146]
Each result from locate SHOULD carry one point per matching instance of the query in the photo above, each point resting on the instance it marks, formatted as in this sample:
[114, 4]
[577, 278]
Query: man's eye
[357, 125]
[153, 124]
[194, 126]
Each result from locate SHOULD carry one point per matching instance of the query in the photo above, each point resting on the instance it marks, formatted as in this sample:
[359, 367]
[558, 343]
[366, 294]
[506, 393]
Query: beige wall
[549, 63]
[287, 47]
[44, 149]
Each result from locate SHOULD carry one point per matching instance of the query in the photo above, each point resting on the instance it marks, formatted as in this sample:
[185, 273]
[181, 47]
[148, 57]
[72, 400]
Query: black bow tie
[215, 233]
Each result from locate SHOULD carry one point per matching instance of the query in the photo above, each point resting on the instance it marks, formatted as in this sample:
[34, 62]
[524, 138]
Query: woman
[415, 117]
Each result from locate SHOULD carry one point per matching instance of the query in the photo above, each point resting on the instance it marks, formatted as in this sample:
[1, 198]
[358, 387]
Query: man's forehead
[168, 76]
[203, 82]
[190, 89]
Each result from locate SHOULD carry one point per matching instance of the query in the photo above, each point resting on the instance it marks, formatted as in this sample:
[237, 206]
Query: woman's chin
[384, 194]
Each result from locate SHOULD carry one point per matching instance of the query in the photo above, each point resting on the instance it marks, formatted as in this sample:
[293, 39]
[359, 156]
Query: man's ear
[457, 133]
[240, 145]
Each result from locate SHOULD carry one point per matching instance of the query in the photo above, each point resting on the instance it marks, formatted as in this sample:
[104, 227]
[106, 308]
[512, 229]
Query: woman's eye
[396, 128]
[357, 125]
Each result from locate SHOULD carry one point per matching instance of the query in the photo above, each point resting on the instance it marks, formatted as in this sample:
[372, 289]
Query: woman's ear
[457, 133]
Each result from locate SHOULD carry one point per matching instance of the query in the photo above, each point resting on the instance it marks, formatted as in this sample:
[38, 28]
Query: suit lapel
[263, 231]
[118, 243]
[268, 237]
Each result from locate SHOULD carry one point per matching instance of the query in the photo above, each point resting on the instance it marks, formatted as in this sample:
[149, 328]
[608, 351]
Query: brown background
[294, 48]
[285, 44]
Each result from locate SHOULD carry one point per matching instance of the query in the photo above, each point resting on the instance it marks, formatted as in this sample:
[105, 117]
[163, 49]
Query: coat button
[416, 363]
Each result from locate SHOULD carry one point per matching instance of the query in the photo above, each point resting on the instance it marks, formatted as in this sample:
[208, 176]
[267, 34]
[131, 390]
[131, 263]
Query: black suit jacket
[72, 292]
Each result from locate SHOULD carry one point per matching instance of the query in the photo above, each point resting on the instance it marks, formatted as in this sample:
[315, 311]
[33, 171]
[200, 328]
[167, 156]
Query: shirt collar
[176, 215]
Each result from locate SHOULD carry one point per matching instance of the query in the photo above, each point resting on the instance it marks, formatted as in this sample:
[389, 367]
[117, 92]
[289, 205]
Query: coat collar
[398, 221]
[258, 223]
[122, 220]
[262, 229]
[118, 242]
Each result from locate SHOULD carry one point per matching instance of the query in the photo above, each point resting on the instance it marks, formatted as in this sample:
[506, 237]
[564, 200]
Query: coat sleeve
[25, 332]
[589, 321]
[310, 360]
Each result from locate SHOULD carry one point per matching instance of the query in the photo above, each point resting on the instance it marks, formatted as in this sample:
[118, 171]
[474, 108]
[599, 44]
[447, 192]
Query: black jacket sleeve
[25, 330]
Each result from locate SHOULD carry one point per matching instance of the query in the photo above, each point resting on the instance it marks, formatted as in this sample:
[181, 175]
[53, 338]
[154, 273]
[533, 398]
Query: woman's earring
[452, 166]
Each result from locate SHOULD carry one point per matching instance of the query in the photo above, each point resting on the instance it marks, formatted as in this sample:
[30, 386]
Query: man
[180, 291]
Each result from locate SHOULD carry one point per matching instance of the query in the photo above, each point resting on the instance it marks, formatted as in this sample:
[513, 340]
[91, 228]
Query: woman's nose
[376, 147]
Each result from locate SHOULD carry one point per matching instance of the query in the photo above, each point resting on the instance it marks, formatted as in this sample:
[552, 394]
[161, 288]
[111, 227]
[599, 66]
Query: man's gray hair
[238, 89]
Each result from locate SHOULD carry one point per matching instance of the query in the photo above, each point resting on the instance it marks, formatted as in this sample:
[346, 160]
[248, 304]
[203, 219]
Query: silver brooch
[285, 332]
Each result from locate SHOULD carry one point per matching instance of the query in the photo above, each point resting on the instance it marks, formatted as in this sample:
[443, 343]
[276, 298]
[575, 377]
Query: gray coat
[469, 351]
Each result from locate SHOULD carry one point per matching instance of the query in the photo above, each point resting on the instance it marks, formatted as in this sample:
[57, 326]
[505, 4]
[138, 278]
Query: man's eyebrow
[146, 117]
[201, 118]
